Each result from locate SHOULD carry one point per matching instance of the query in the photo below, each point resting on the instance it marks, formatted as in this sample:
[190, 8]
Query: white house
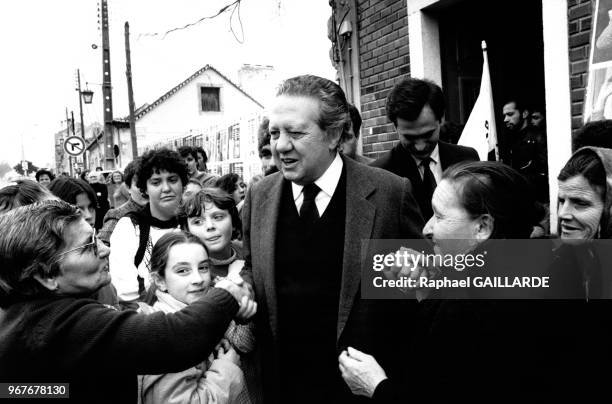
[194, 112]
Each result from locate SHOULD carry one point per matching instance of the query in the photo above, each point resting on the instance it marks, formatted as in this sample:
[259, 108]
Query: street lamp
[87, 96]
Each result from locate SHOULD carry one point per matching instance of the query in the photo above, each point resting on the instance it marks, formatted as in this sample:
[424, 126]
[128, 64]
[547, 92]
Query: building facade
[207, 109]
[538, 50]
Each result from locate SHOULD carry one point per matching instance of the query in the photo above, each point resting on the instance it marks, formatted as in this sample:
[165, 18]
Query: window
[210, 99]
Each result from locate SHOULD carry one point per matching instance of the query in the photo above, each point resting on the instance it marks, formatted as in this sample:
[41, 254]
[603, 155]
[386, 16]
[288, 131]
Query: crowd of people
[166, 283]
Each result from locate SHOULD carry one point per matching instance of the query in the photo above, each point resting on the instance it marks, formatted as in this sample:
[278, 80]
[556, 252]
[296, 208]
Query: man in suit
[416, 108]
[303, 232]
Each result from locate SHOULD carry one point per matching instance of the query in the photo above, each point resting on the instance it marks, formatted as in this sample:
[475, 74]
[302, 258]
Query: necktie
[429, 185]
[308, 211]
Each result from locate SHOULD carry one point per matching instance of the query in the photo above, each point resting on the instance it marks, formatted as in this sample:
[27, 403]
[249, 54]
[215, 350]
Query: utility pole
[107, 90]
[81, 111]
[67, 136]
[128, 74]
[76, 159]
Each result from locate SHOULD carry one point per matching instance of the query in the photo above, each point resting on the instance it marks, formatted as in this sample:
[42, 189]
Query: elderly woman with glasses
[51, 331]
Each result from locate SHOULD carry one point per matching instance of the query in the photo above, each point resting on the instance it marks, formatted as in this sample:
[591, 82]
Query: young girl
[211, 215]
[181, 275]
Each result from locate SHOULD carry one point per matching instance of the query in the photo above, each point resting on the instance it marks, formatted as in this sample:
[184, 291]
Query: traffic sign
[74, 145]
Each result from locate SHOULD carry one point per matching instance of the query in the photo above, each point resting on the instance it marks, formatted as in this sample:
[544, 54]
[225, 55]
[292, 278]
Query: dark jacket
[399, 161]
[378, 206]
[98, 350]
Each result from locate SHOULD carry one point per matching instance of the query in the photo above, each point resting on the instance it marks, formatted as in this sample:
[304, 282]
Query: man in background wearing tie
[303, 229]
[416, 108]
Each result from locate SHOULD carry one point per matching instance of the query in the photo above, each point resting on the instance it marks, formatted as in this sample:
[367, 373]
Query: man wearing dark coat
[416, 108]
[303, 233]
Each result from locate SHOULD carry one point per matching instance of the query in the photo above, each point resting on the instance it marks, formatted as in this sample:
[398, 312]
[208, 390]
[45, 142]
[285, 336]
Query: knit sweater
[98, 350]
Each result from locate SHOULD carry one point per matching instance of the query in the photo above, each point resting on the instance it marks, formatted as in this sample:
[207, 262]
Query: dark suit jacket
[379, 205]
[399, 162]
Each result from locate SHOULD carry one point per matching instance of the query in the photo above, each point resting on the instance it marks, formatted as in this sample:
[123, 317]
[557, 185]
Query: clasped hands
[242, 292]
[413, 269]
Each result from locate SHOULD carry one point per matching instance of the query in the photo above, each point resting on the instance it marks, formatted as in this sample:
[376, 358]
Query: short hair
[355, 120]
[130, 170]
[587, 163]
[67, 189]
[263, 134]
[32, 237]
[408, 98]
[333, 107]
[99, 168]
[596, 134]
[519, 103]
[487, 187]
[228, 182]
[44, 171]
[21, 193]
[193, 206]
[185, 151]
[155, 161]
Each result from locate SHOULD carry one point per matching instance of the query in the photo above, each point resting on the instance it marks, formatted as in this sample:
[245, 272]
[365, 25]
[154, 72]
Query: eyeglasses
[94, 242]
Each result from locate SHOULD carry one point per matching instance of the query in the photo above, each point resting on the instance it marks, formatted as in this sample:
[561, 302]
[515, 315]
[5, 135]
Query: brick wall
[384, 60]
[579, 20]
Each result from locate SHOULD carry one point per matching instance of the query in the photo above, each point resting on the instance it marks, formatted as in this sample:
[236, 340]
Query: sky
[44, 42]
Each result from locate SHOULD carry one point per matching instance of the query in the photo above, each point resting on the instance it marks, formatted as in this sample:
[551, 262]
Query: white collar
[327, 182]
[434, 156]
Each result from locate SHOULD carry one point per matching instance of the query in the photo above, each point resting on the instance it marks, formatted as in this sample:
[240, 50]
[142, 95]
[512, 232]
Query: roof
[145, 109]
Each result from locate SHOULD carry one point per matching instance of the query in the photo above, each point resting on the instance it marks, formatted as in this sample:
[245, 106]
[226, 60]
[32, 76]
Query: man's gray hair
[333, 111]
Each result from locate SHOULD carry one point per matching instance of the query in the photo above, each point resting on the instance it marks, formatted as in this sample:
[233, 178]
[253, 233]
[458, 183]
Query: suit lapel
[266, 219]
[358, 225]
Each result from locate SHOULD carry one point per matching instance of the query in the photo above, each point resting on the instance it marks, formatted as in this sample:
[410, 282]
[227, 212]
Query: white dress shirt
[434, 165]
[327, 182]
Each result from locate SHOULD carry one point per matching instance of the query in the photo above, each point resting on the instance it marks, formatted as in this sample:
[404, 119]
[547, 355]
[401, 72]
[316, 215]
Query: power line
[235, 4]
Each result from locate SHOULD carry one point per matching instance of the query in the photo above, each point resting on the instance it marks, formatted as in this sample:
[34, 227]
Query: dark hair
[185, 151]
[193, 206]
[407, 99]
[31, 239]
[23, 192]
[228, 182]
[200, 149]
[44, 171]
[519, 103]
[355, 120]
[161, 249]
[263, 134]
[487, 187]
[83, 174]
[158, 160]
[130, 171]
[587, 163]
[596, 134]
[67, 189]
[333, 107]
